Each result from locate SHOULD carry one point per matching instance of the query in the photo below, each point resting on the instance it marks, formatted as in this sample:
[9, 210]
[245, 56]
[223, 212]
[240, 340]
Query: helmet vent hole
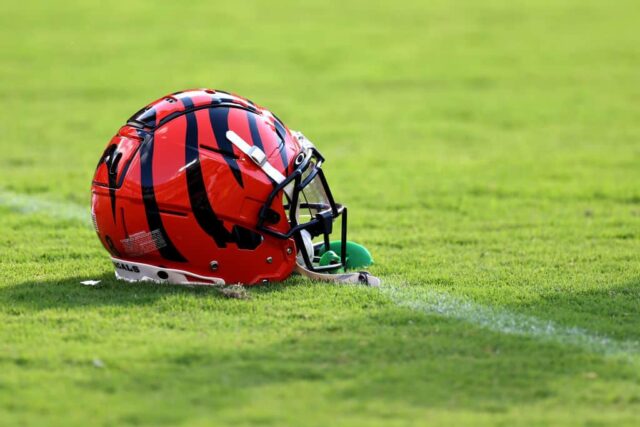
[271, 216]
[163, 275]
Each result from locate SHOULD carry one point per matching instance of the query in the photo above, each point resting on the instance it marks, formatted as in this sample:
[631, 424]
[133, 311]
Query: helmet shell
[171, 191]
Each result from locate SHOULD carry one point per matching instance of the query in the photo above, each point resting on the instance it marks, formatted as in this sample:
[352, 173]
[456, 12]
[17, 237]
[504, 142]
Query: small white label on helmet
[143, 242]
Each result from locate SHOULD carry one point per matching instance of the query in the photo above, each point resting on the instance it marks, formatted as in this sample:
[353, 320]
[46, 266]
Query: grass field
[489, 153]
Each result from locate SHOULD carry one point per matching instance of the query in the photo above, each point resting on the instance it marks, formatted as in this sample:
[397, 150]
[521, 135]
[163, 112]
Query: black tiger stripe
[112, 247]
[202, 210]
[112, 170]
[108, 160]
[219, 118]
[168, 251]
[147, 117]
[282, 133]
[255, 133]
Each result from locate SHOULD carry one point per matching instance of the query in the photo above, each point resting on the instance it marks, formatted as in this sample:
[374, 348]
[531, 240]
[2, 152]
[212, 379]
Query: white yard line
[506, 322]
[27, 204]
[418, 299]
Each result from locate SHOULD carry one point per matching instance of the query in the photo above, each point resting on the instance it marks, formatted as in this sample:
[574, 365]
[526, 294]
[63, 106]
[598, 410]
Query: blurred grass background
[486, 149]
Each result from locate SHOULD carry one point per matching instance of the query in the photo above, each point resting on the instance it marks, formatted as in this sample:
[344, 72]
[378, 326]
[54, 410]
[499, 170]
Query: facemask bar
[320, 225]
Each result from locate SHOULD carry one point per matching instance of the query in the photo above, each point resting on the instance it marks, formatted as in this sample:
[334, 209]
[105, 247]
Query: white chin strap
[359, 278]
[257, 155]
[307, 246]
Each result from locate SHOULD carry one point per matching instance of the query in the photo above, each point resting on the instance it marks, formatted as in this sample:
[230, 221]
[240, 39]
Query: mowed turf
[488, 152]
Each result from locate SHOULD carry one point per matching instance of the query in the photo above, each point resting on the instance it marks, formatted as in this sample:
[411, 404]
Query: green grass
[489, 151]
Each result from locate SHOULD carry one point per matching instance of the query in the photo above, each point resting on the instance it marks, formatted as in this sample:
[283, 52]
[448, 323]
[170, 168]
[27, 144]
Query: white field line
[426, 301]
[27, 204]
[506, 322]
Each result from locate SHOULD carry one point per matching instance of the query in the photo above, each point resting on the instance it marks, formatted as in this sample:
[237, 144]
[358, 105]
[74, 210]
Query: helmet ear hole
[163, 275]
[271, 216]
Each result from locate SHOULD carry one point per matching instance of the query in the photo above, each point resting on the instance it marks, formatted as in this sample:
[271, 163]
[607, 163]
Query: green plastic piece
[357, 255]
[328, 258]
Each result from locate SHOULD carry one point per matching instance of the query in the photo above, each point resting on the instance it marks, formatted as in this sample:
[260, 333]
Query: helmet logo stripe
[255, 133]
[168, 251]
[220, 125]
[282, 133]
[199, 200]
[202, 210]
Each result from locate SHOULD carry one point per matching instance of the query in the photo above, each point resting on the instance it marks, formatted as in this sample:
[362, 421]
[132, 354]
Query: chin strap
[257, 156]
[359, 278]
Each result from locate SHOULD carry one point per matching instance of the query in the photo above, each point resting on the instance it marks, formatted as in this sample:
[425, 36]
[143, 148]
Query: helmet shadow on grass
[70, 293]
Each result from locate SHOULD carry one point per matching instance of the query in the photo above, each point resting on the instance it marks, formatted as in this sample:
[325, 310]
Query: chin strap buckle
[359, 278]
[363, 277]
[257, 155]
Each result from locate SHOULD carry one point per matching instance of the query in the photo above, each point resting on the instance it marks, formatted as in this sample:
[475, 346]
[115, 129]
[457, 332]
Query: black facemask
[311, 209]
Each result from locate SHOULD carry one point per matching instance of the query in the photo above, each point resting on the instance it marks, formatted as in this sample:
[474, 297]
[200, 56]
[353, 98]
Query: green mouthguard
[357, 255]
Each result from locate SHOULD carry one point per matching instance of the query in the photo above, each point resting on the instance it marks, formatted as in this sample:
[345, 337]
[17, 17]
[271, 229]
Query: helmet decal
[282, 133]
[200, 204]
[219, 118]
[255, 133]
[168, 251]
[110, 159]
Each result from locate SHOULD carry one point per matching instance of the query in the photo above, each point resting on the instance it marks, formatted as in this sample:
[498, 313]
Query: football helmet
[206, 187]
